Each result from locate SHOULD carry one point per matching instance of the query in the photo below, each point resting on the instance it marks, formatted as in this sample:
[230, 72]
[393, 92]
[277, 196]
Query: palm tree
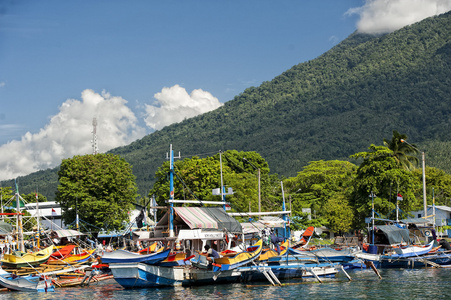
[402, 151]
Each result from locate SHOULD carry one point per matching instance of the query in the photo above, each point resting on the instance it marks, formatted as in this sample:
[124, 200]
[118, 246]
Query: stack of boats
[44, 269]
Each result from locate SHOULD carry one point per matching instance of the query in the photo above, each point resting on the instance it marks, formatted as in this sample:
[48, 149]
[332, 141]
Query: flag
[399, 198]
[36, 197]
[53, 212]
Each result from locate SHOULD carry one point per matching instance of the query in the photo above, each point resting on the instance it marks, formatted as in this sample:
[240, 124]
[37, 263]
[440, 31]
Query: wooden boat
[305, 238]
[410, 251]
[63, 252]
[149, 249]
[123, 256]
[79, 280]
[29, 283]
[328, 254]
[176, 259]
[241, 258]
[268, 253]
[72, 259]
[20, 259]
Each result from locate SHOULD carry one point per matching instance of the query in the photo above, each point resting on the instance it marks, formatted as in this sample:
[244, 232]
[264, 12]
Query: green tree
[6, 193]
[380, 173]
[402, 150]
[101, 187]
[316, 186]
[339, 214]
[438, 184]
[195, 178]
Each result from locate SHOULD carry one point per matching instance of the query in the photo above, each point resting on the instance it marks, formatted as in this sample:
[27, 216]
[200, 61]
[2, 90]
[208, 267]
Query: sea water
[395, 284]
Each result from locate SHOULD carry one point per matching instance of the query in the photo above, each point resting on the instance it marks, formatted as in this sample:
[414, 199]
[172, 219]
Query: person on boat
[275, 240]
[212, 254]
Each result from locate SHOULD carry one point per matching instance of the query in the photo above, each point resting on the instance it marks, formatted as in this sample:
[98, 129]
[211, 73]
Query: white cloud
[382, 16]
[174, 104]
[69, 133]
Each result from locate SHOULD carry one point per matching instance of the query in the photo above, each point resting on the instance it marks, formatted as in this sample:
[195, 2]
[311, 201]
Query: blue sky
[140, 65]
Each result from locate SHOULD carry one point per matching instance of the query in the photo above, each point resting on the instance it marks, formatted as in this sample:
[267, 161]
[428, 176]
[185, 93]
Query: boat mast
[222, 182]
[19, 221]
[284, 216]
[37, 220]
[1, 201]
[171, 191]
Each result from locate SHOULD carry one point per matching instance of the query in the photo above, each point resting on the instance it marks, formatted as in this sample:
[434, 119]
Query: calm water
[396, 284]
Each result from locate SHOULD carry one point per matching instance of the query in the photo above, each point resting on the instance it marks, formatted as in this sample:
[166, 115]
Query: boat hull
[27, 259]
[122, 256]
[139, 275]
[27, 283]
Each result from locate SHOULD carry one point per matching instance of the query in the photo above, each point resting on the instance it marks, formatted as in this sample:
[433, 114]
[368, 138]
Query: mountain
[355, 94]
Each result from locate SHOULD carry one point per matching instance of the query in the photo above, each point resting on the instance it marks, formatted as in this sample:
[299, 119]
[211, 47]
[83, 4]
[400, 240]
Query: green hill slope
[328, 108]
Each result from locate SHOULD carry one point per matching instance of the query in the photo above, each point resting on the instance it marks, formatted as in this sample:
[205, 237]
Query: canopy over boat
[67, 233]
[5, 228]
[394, 234]
[205, 218]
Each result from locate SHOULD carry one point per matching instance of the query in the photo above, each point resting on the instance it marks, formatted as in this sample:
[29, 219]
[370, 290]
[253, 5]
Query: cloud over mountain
[174, 104]
[382, 16]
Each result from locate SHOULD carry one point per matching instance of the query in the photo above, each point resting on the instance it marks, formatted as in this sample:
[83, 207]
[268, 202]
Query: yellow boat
[231, 262]
[19, 259]
[273, 253]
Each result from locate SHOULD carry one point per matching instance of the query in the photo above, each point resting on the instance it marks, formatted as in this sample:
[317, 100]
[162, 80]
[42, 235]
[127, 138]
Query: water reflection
[403, 284]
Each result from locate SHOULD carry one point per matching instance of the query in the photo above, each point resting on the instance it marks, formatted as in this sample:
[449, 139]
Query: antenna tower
[95, 149]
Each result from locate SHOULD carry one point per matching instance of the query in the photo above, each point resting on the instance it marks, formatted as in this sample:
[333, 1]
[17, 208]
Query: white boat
[410, 251]
[29, 283]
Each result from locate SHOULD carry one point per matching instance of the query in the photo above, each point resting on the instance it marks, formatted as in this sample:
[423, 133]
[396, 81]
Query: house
[440, 215]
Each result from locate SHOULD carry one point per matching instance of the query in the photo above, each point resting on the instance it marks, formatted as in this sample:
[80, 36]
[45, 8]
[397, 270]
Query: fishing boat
[269, 253]
[139, 275]
[124, 256]
[241, 258]
[29, 283]
[71, 258]
[176, 259]
[20, 259]
[305, 238]
[409, 251]
[328, 254]
[150, 249]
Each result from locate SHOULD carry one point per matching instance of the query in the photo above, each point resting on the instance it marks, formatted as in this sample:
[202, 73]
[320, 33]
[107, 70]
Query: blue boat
[123, 256]
[139, 275]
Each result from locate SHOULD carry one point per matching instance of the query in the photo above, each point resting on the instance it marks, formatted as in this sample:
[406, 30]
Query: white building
[440, 215]
[48, 212]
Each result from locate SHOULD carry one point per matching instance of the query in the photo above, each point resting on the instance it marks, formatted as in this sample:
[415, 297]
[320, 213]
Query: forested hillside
[327, 108]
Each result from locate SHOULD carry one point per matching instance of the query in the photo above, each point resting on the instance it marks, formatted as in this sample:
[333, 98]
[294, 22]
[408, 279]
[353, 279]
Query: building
[48, 212]
[440, 215]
